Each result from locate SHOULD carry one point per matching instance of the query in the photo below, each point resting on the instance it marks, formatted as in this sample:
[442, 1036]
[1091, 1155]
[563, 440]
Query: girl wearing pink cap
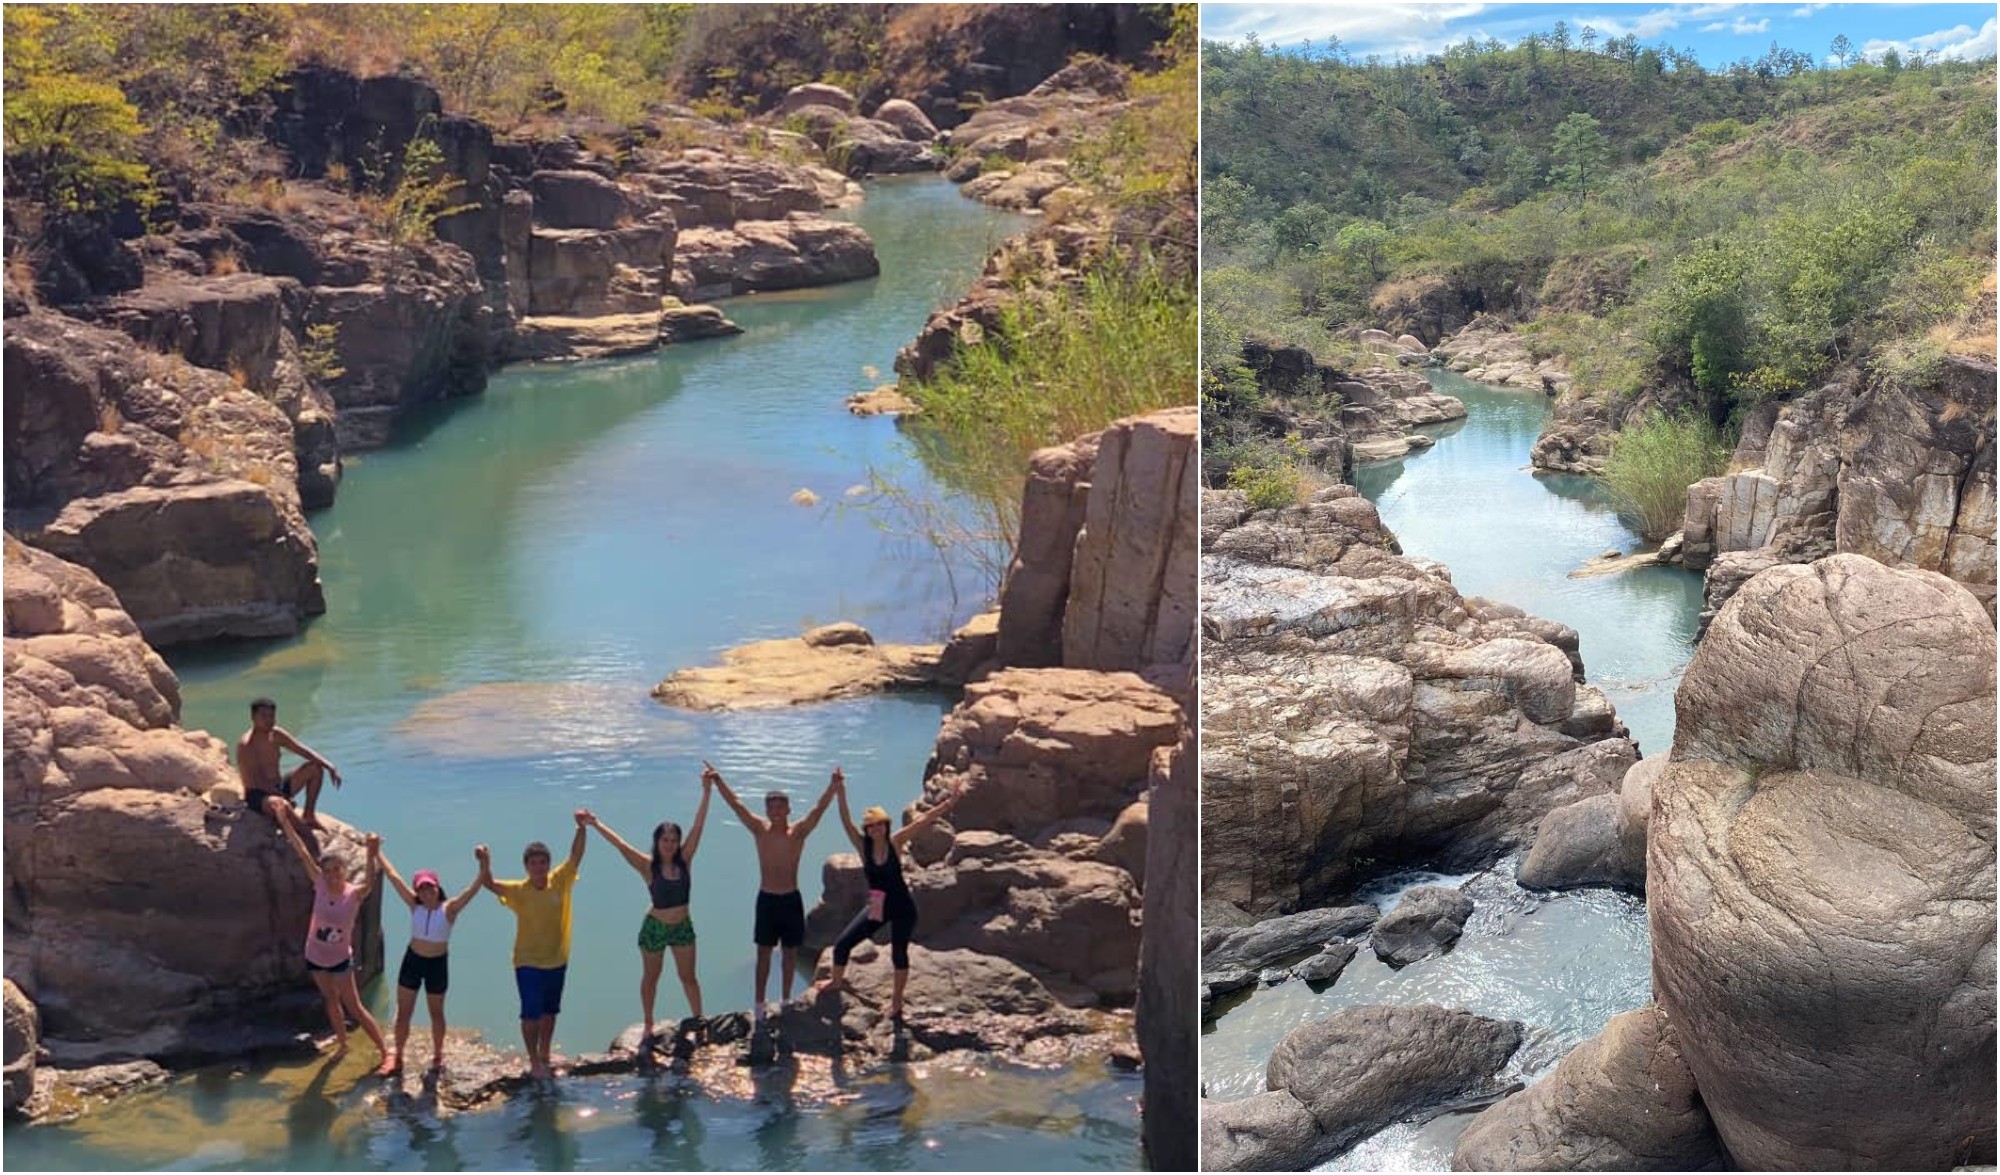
[425, 964]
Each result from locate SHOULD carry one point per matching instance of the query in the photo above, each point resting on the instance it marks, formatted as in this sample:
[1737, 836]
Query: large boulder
[1821, 873]
[1901, 474]
[1623, 1100]
[908, 118]
[99, 778]
[1354, 1073]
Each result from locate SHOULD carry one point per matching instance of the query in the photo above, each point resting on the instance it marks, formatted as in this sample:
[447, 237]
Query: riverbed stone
[1426, 922]
[1623, 1100]
[1365, 1068]
[1275, 939]
[21, 1040]
[1326, 966]
[832, 661]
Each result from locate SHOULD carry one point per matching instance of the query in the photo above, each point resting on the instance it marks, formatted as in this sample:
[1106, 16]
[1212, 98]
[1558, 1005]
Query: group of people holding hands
[541, 903]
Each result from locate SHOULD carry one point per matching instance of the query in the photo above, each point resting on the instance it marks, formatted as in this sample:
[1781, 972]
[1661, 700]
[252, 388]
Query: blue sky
[1717, 33]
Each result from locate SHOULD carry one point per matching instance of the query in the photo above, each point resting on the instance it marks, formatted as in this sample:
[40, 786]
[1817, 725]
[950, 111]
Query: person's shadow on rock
[309, 1121]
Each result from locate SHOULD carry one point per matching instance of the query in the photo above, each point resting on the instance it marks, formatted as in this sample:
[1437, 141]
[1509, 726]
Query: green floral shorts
[656, 936]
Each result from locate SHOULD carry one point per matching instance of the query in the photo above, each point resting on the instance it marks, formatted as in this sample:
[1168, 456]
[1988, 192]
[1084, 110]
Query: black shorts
[340, 968]
[423, 973]
[781, 919]
[288, 785]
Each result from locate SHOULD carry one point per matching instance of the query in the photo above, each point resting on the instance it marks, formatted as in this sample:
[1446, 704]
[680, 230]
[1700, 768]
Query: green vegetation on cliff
[1682, 235]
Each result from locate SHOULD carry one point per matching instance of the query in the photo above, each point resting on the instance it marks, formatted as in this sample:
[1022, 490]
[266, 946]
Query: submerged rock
[1820, 870]
[1278, 939]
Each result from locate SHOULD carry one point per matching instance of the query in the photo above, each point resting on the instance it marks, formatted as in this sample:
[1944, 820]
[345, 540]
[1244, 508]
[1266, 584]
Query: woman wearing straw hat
[889, 900]
[425, 966]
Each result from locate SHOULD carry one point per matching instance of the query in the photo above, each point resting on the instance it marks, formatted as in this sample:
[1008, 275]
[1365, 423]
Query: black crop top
[669, 892]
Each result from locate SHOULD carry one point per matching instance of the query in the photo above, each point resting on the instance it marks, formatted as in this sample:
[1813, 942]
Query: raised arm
[750, 819]
[456, 906]
[693, 840]
[633, 857]
[581, 840]
[372, 868]
[396, 881]
[934, 812]
[846, 817]
[305, 752]
[486, 869]
[299, 847]
[803, 828]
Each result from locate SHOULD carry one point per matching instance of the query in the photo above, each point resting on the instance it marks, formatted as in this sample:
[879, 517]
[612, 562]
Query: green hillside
[1698, 237]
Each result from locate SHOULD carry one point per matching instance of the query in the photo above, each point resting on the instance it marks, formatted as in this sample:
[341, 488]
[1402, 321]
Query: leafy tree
[1841, 50]
[71, 142]
[1365, 243]
[1581, 157]
[1300, 228]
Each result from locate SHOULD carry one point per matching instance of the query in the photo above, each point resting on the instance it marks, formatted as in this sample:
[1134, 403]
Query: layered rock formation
[1903, 476]
[1821, 871]
[1342, 416]
[1358, 707]
[1166, 1008]
[177, 484]
[99, 775]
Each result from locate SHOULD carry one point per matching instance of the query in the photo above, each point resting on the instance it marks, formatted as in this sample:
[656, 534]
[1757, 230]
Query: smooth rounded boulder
[1620, 1101]
[1821, 870]
[1365, 1068]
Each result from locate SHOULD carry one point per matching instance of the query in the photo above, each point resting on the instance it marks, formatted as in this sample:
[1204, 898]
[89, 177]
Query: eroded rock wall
[122, 962]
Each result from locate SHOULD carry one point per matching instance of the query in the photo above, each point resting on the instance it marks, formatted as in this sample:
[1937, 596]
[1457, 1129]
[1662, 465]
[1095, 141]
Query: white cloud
[1416, 29]
[1808, 10]
[1959, 41]
[1739, 26]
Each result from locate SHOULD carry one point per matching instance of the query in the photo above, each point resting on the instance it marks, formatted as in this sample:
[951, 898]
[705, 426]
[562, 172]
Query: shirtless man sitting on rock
[266, 788]
[781, 910]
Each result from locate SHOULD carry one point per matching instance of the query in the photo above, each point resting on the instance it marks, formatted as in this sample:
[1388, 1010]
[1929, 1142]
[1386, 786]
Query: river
[505, 583]
[1563, 964]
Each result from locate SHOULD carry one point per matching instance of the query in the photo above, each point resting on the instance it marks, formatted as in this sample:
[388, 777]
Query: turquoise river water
[1562, 964]
[505, 583]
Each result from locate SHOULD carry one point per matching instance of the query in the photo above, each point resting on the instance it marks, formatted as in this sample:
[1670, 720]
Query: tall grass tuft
[1654, 461]
[1066, 362]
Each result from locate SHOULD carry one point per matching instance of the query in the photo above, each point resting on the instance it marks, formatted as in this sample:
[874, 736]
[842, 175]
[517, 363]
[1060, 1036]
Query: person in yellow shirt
[541, 936]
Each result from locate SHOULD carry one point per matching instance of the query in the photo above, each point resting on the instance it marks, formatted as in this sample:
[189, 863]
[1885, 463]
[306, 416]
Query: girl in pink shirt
[330, 939]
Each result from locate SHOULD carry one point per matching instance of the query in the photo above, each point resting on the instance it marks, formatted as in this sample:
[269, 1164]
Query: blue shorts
[541, 990]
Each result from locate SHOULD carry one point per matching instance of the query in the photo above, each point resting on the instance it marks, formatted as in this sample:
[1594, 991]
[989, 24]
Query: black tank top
[887, 876]
[669, 892]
